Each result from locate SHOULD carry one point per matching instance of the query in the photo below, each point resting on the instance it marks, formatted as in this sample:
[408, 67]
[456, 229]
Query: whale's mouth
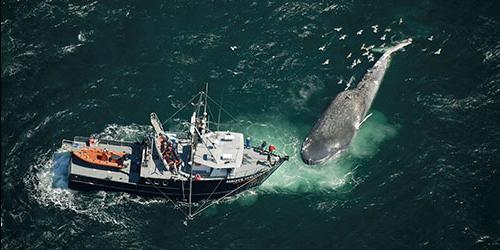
[315, 153]
[310, 161]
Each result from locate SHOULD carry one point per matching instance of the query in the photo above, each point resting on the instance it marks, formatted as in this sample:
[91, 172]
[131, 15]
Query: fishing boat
[192, 165]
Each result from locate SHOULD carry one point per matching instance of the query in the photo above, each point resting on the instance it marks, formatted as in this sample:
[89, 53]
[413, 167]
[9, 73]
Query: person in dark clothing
[262, 146]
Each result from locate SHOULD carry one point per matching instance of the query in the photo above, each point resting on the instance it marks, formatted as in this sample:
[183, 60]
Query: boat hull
[177, 190]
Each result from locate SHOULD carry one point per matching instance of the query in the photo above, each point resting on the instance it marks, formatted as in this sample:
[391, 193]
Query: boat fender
[197, 177]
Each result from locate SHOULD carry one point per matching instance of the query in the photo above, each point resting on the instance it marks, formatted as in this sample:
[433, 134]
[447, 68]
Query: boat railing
[180, 135]
[105, 141]
[66, 141]
[248, 172]
[264, 151]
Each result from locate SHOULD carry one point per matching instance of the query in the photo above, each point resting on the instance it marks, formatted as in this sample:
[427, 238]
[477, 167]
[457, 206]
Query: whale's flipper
[364, 120]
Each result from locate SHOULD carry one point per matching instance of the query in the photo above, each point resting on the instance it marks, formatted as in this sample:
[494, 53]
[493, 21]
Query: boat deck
[253, 162]
[157, 170]
[129, 174]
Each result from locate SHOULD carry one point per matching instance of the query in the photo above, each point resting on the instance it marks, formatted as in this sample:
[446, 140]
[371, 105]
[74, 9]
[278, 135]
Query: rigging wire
[211, 204]
[208, 199]
[207, 204]
[210, 112]
[173, 203]
[181, 108]
[225, 111]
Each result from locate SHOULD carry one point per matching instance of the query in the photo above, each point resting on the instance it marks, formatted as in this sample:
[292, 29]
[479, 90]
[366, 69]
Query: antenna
[206, 93]
[205, 107]
[220, 109]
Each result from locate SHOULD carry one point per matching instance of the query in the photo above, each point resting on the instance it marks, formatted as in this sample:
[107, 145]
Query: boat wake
[50, 184]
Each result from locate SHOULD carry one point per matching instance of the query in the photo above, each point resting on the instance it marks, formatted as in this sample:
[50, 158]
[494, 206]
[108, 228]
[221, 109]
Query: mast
[218, 118]
[205, 114]
[205, 105]
[193, 148]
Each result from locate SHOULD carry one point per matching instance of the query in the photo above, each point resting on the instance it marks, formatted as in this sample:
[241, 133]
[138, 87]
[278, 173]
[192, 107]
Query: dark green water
[423, 171]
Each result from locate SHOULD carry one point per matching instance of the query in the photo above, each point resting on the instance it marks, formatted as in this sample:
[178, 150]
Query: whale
[333, 132]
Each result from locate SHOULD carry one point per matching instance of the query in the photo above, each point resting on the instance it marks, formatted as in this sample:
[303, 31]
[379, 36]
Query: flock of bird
[367, 49]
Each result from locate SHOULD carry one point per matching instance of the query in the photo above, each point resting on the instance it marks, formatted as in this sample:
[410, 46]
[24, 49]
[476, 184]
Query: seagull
[342, 37]
[338, 29]
[375, 28]
[322, 48]
[400, 20]
[233, 48]
[430, 38]
[382, 38]
[349, 56]
[81, 37]
[437, 52]
[355, 62]
[340, 81]
[326, 62]
[387, 30]
[359, 32]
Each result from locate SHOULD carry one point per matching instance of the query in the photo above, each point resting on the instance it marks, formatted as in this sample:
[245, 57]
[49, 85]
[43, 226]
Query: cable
[181, 108]
[221, 107]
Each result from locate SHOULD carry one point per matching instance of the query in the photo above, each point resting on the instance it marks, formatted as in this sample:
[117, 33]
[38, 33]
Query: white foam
[49, 184]
[295, 176]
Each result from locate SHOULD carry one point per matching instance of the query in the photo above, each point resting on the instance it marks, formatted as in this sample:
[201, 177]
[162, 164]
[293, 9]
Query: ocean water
[422, 173]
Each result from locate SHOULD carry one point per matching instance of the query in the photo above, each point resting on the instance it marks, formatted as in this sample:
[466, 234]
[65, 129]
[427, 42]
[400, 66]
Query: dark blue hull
[174, 189]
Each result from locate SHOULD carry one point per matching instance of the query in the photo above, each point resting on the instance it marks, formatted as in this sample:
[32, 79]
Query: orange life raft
[101, 157]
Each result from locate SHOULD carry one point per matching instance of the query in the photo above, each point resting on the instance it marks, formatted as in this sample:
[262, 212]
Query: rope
[181, 108]
[210, 112]
[208, 199]
[204, 143]
[173, 203]
[232, 117]
[211, 204]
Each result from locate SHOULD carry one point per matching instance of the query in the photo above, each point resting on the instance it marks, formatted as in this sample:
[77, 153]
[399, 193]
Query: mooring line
[211, 204]
[181, 108]
[208, 199]
[173, 203]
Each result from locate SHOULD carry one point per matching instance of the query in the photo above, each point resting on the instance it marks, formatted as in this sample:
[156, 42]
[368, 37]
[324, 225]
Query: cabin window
[226, 157]
[218, 172]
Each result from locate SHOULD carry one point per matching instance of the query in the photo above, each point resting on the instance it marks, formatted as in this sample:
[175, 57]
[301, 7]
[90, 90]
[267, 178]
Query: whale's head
[317, 151]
